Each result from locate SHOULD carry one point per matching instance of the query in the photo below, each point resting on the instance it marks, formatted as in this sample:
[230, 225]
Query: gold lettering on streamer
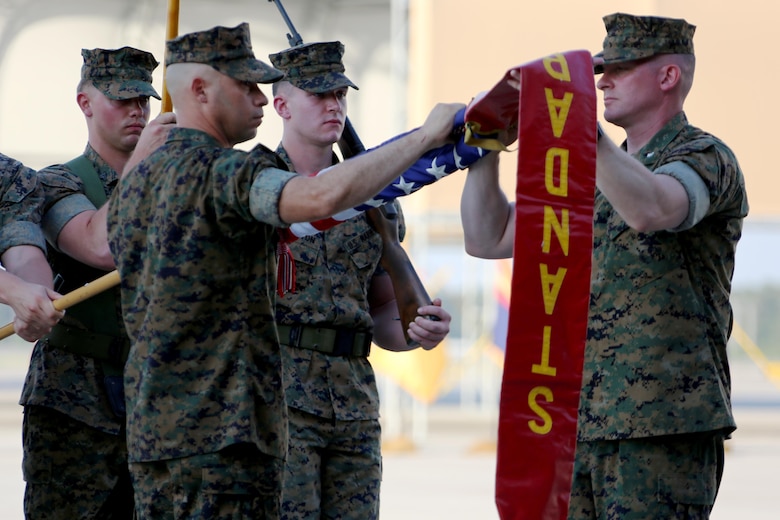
[561, 228]
[556, 183]
[557, 67]
[562, 155]
[551, 286]
[558, 109]
[545, 426]
[544, 368]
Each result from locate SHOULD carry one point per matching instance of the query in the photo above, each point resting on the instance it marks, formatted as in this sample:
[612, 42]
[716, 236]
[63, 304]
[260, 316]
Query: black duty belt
[90, 344]
[334, 342]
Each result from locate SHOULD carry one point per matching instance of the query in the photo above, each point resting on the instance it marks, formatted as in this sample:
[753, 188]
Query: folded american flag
[432, 166]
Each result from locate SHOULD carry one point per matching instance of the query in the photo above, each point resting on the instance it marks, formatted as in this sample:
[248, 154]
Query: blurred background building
[405, 55]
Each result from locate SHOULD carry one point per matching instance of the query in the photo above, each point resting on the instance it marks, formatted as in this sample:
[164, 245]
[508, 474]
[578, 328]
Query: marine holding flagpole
[75, 455]
[26, 277]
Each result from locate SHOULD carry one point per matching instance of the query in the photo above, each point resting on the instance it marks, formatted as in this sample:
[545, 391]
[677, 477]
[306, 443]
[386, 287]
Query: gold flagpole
[76, 296]
[172, 30]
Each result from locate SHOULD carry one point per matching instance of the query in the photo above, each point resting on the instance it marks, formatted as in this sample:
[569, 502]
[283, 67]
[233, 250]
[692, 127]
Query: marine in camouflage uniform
[75, 455]
[193, 231]
[655, 405]
[26, 283]
[334, 462]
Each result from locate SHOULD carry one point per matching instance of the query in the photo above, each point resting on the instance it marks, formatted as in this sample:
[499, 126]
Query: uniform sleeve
[64, 199]
[265, 194]
[21, 205]
[698, 194]
[248, 185]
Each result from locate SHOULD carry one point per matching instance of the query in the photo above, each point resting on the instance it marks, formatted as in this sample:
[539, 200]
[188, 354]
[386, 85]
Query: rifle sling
[103, 338]
[93, 188]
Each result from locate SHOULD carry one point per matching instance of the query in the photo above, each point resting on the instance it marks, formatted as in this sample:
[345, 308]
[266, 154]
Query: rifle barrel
[294, 37]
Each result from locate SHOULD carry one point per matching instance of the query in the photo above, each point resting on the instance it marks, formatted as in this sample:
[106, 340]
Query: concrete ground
[450, 473]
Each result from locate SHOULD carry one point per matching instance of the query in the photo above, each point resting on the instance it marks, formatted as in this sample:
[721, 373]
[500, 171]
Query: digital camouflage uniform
[656, 385]
[193, 231]
[334, 461]
[75, 457]
[21, 203]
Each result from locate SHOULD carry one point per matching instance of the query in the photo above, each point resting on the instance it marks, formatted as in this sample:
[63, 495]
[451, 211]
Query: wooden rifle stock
[410, 293]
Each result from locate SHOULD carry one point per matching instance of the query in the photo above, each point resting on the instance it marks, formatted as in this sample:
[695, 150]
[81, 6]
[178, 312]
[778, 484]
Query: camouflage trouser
[675, 476]
[334, 469]
[72, 470]
[238, 482]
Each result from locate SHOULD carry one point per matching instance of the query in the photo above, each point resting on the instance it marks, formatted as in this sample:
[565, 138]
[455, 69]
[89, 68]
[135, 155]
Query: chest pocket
[353, 239]
[307, 249]
[364, 249]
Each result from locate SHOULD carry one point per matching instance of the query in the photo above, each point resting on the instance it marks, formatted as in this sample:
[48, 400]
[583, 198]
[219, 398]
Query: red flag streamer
[550, 284]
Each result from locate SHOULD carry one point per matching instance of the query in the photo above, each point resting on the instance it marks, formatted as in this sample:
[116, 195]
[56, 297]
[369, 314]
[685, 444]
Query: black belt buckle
[117, 351]
[295, 336]
[365, 345]
[342, 345]
[351, 343]
[115, 392]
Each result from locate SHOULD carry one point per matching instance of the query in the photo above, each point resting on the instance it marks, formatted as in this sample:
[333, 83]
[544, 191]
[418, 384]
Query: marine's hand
[514, 80]
[508, 135]
[155, 133]
[438, 126]
[427, 332]
[35, 314]
[152, 137]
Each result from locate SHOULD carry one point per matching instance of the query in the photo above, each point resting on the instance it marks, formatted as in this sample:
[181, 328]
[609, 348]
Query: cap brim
[324, 83]
[252, 70]
[599, 69]
[126, 89]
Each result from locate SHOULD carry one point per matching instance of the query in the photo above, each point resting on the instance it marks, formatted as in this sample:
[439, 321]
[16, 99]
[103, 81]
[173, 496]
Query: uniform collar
[649, 152]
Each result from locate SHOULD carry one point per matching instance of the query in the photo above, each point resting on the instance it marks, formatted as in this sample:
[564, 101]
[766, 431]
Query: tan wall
[457, 48]
[460, 47]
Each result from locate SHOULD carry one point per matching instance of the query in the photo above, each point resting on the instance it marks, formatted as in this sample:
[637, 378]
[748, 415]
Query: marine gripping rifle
[410, 294]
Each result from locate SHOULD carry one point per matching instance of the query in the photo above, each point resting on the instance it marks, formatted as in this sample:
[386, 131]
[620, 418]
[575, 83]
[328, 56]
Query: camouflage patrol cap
[226, 49]
[313, 67]
[124, 73]
[632, 38]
